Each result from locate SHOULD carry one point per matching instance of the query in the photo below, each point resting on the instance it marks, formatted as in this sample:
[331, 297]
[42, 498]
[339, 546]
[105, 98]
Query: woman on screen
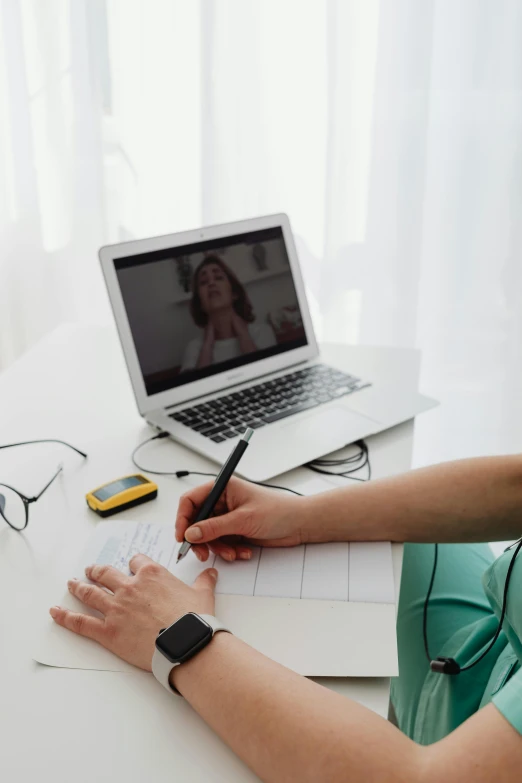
[221, 307]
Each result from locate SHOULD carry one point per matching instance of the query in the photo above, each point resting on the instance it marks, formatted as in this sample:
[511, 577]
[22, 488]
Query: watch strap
[162, 667]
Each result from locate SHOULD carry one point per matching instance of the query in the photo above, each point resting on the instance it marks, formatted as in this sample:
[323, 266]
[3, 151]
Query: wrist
[202, 664]
[301, 510]
[330, 516]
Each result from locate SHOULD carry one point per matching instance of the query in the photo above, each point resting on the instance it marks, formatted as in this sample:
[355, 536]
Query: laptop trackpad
[336, 424]
[303, 438]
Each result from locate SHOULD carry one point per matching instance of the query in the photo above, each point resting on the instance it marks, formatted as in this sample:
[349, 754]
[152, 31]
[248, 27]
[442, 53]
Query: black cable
[426, 602]
[503, 612]
[456, 669]
[177, 473]
[341, 461]
[320, 465]
[276, 486]
[183, 473]
[342, 475]
[326, 461]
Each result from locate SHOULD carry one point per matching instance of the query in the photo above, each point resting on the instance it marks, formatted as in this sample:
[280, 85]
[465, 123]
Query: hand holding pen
[218, 488]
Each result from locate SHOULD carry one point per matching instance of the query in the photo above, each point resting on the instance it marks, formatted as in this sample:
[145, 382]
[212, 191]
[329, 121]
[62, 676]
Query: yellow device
[121, 494]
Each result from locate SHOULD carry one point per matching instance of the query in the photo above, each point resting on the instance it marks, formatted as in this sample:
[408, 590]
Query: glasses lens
[12, 507]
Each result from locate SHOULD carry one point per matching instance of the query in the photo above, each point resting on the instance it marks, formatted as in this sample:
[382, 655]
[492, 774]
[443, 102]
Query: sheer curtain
[389, 130]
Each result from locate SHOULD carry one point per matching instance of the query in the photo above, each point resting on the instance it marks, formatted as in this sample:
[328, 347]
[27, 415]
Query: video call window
[210, 307]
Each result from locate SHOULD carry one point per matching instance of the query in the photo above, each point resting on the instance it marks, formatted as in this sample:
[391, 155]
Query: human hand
[137, 607]
[210, 335]
[239, 325]
[245, 515]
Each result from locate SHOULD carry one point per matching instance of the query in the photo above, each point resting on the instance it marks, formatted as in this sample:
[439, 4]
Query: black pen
[223, 477]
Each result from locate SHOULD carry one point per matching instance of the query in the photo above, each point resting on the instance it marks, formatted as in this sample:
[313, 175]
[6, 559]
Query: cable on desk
[361, 459]
[183, 473]
[177, 473]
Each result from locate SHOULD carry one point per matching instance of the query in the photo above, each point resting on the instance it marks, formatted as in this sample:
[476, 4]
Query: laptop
[217, 336]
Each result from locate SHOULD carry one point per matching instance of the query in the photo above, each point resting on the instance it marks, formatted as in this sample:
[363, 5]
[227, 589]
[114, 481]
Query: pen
[223, 477]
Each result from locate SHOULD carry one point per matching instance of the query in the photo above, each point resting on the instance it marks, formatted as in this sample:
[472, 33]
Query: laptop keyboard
[264, 403]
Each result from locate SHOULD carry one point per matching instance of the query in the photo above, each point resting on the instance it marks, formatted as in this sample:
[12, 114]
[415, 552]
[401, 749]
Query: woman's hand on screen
[245, 515]
[210, 335]
[206, 354]
[239, 325]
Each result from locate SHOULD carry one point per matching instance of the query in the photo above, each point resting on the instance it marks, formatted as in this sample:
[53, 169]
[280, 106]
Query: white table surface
[71, 725]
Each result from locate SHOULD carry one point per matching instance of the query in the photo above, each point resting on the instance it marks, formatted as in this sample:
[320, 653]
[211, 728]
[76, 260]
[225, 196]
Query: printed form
[358, 571]
[271, 601]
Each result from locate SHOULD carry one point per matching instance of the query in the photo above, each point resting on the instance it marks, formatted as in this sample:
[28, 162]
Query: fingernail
[53, 611]
[245, 555]
[228, 555]
[213, 573]
[193, 534]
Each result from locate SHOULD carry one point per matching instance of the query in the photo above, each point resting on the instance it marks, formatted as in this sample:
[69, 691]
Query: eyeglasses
[14, 505]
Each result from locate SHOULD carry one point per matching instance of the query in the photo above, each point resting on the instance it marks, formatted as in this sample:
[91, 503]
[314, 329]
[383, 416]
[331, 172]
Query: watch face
[183, 639]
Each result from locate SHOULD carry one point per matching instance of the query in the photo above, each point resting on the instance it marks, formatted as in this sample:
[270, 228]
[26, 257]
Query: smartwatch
[180, 642]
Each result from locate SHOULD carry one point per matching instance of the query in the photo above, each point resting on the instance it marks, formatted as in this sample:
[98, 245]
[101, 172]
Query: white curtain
[389, 130]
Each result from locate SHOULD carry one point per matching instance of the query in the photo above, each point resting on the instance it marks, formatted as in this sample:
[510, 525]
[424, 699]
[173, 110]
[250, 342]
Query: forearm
[465, 501]
[288, 728]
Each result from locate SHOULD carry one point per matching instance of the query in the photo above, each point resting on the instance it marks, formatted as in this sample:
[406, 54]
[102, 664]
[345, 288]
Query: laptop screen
[209, 307]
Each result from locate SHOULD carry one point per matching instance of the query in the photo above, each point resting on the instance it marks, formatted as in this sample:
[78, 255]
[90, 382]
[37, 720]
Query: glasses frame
[24, 498]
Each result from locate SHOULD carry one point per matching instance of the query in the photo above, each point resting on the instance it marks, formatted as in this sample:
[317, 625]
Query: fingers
[243, 553]
[107, 576]
[189, 504]
[82, 624]
[91, 595]
[138, 562]
[202, 553]
[231, 551]
[206, 581]
[215, 527]
[222, 549]
[227, 551]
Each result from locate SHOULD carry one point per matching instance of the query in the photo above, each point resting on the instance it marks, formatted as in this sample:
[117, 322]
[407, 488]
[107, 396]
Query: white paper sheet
[325, 572]
[320, 609]
[359, 571]
[239, 577]
[116, 542]
[371, 572]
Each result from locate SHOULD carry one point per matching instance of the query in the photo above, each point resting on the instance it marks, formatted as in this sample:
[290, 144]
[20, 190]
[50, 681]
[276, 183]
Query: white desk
[71, 725]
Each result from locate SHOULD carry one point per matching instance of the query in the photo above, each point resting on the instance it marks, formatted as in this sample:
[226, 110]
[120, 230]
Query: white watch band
[162, 667]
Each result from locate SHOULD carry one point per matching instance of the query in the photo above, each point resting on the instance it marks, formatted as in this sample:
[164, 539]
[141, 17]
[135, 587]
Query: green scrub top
[463, 616]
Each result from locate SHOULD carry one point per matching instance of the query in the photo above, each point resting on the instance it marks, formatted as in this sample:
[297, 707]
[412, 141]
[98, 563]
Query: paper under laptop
[319, 609]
